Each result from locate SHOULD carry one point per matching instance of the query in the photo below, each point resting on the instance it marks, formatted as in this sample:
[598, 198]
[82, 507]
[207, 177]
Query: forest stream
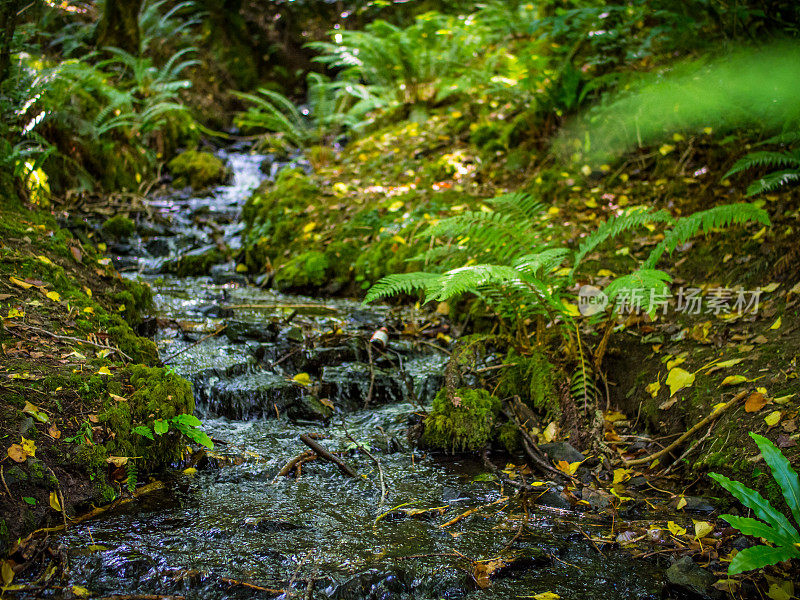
[232, 528]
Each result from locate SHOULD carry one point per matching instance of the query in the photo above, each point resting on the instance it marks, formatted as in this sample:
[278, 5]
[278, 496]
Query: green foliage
[531, 378]
[787, 161]
[524, 282]
[119, 227]
[197, 169]
[186, 424]
[774, 526]
[463, 424]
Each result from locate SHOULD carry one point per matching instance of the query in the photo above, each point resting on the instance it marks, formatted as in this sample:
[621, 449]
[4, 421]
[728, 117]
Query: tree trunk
[119, 25]
[8, 24]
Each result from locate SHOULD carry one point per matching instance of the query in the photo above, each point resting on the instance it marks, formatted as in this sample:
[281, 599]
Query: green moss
[197, 169]
[467, 426]
[531, 378]
[309, 268]
[509, 437]
[195, 265]
[139, 349]
[119, 227]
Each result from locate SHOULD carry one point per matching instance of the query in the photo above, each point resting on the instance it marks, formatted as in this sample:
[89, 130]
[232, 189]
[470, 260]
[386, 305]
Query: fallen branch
[69, 338]
[472, 511]
[717, 413]
[192, 345]
[325, 455]
[297, 460]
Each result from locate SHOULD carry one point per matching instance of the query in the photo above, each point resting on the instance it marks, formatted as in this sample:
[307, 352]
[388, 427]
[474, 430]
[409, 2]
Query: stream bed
[232, 528]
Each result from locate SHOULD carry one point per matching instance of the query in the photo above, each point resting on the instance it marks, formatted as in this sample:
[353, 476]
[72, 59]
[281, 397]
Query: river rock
[685, 576]
[377, 585]
[562, 451]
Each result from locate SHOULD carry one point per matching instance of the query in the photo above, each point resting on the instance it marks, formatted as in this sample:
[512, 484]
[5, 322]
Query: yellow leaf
[45, 260]
[79, 591]
[568, 467]
[771, 287]
[7, 573]
[309, 227]
[54, 503]
[681, 503]
[103, 371]
[776, 324]
[87, 291]
[116, 398]
[23, 284]
[702, 529]
[773, 418]
[654, 388]
[755, 402]
[728, 363]
[612, 416]
[88, 310]
[605, 273]
[553, 211]
[35, 412]
[397, 205]
[121, 307]
[734, 380]
[13, 313]
[17, 453]
[302, 378]
[718, 406]
[241, 268]
[326, 402]
[545, 596]
[679, 379]
[549, 434]
[117, 461]
[399, 240]
[54, 296]
[666, 149]
[189, 471]
[675, 529]
[759, 234]
[29, 446]
[571, 309]
[102, 247]
[679, 360]
[621, 475]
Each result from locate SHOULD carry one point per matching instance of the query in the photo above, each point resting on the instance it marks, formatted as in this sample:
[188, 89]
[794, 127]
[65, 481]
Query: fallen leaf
[103, 371]
[54, 432]
[621, 475]
[484, 569]
[755, 402]
[544, 596]
[36, 412]
[783, 590]
[612, 416]
[702, 529]
[117, 461]
[29, 446]
[568, 467]
[734, 380]
[550, 432]
[326, 402]
[773, 418]
[760, 339]
[770, 287]
[7, 573]
[776, 324]
[302, 378]
[309, 227]
[54, 503]
[76, 253]
[24, 285]
[728, 363]
[681, 503]
[675, 529]
[667, 404]
[395, 206]
[679, 379]
[17, 453]
[654, 388]
[79, 591]
[116, 398]
[54, 296]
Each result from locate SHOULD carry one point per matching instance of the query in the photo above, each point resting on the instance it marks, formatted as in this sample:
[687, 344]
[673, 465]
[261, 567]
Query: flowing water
[233, 529]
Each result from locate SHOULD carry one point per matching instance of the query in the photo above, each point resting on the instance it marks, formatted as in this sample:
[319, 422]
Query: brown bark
[119, 25]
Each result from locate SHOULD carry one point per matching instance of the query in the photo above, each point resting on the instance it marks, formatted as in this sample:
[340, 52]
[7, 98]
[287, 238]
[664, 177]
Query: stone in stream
[239, 330]
[373, 584]
[557, 451]
[348, 385]
[688, 578]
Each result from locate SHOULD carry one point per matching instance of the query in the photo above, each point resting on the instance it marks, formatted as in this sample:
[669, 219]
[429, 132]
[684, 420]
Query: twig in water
[376, 461]
[294, 462]
[192, 345]
[324, 454]
[371, 375]
[688, 434]
[472, 511]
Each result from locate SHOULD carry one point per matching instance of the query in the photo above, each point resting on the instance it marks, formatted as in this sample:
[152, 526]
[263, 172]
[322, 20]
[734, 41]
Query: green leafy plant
[774, 526]
[787, 162]
[188, 425]
[518, 275]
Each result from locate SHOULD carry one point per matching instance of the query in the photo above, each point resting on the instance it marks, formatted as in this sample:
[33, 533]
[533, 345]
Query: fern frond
[541, 262]
[704, 221]
[633, 219]
[401, 283]
[773, 181]
[763, 159]
[642, 285]
[522, 204]
[469, 279]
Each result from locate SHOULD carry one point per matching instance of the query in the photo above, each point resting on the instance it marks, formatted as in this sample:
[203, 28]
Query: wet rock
[348, 385]
[595, 499]
[239, 330]
[553, 499]
[270, 526]
[562, 451]
[449, 583]
[226, 273]
[373, 585]
[314, 360]
[308, 408]
[252, 395]
[688, 578]
[158, 247]
[698, 505]
[215, 311]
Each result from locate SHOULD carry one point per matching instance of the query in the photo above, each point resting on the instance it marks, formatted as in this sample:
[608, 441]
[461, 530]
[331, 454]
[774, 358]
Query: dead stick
[190, 346]
[3, 479]
[325, 455]
[688, 434]
[534, 453]
[289, 466]
[69, 338]
[472, 511]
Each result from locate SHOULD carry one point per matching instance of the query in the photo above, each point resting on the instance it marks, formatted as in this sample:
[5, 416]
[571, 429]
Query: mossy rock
[307, 269]
[119, 227]
[464, 424]
[197, 264]
[197, 169]
[532, 379]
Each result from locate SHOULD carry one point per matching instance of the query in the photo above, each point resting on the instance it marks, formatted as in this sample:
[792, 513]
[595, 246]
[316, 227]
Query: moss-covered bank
[75, 378]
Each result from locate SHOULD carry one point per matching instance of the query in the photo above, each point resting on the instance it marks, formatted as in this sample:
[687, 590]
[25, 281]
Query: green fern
[703, 222]
[132, 475]
[788, 161]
